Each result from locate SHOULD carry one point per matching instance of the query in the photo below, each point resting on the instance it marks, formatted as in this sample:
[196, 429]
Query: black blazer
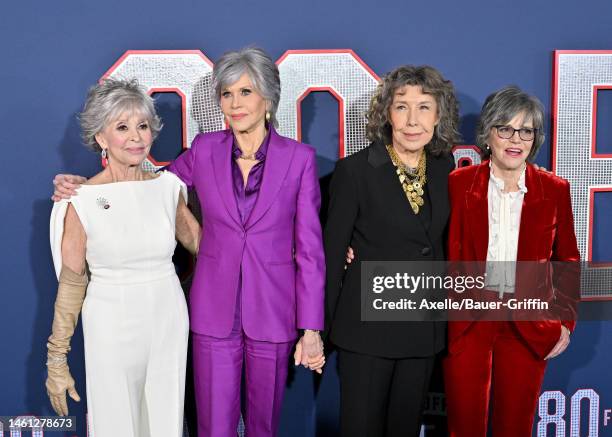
[368, 210]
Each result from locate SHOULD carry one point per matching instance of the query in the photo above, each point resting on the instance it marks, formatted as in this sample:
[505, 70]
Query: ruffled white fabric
[504, 210]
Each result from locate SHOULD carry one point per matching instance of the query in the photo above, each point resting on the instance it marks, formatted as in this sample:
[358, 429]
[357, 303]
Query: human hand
[350, 255]
[309, 351]
[561, 345]
[537, 167]
[66, 185]
[59, 380]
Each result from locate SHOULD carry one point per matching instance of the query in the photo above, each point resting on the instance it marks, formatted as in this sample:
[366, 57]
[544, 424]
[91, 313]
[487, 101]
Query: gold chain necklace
[412, 184]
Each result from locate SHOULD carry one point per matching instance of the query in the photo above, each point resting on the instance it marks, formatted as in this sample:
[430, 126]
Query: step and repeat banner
[330, 57]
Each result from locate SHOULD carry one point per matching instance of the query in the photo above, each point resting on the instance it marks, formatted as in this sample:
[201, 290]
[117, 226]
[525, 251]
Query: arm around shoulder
[188, 230]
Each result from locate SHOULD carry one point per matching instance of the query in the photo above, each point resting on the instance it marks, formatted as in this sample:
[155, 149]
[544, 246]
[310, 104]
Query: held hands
[309, 351]
[59, 380]
[65, 186]
[561, 345]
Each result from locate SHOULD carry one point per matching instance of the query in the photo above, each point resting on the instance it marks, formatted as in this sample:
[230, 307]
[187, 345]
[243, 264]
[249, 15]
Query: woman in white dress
[121, 229]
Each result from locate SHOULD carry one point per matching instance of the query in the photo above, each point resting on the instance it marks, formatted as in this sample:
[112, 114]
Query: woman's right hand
[350, 255]
[309, 351]
[66, 186]
[59, 380]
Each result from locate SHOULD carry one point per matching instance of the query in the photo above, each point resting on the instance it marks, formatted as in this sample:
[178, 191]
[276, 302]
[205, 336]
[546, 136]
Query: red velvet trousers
[492, 364]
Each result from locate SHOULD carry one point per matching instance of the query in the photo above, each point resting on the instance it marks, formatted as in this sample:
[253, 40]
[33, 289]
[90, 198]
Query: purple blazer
[279, 250]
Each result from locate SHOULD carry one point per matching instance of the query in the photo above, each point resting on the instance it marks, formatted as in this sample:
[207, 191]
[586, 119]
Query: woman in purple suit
[260, 272]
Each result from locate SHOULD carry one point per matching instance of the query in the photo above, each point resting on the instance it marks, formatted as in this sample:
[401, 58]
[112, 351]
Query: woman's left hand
[309, 351]
[544, 169]
[561, 345]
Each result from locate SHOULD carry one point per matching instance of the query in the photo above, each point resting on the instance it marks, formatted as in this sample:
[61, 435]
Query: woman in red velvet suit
[505, 210]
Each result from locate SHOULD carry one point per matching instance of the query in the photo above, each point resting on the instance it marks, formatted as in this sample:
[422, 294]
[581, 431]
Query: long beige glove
[68, 303]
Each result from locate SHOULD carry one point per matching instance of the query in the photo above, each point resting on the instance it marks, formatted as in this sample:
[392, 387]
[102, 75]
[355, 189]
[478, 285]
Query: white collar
[499, 183]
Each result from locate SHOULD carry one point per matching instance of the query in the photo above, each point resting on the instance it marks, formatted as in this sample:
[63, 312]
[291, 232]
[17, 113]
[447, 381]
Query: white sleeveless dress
[135, 320]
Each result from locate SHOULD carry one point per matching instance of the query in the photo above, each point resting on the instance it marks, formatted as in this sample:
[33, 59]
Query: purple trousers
[218, 365]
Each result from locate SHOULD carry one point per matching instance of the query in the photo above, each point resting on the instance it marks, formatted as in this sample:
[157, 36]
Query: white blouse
[504, 224]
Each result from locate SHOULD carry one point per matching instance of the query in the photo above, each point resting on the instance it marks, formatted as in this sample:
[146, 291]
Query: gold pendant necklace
[412, 184]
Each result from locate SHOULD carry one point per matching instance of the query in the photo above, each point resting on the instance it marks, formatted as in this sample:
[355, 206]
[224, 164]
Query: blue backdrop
[53, 51]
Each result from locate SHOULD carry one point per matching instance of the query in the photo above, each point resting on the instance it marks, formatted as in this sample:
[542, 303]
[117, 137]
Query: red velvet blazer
[546, 233]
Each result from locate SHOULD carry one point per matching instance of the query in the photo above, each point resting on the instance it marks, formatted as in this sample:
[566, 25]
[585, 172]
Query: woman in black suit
[385, 367]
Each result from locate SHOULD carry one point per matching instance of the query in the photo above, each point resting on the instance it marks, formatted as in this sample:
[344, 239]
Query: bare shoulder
[99, 179]
[151, 175]
[105, 177]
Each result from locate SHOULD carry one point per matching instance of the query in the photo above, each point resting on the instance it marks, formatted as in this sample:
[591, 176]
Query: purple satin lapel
[221, 160]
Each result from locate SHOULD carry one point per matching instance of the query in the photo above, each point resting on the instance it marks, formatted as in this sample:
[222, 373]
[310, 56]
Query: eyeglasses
[506, 132]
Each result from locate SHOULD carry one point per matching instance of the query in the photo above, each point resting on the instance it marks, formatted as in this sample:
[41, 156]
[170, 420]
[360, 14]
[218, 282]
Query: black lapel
[378, 155]
[437, 188]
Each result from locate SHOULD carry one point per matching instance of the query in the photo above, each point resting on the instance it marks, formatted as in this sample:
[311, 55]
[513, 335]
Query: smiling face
[243, 107]
[413, 116]
[510, 154]
[126, 139]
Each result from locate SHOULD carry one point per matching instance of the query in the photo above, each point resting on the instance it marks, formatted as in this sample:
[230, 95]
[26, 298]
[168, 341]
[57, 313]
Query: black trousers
[381, 397]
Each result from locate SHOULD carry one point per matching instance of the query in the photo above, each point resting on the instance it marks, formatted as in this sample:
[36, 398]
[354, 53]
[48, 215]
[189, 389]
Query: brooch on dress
[102, 203]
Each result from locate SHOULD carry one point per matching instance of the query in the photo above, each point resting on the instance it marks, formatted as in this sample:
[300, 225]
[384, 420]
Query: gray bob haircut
[501, 107]
[261, 69]
[108, 100]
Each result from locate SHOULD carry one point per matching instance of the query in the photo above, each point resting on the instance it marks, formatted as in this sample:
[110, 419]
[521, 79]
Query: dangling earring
[104, 156]
[268, 116]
